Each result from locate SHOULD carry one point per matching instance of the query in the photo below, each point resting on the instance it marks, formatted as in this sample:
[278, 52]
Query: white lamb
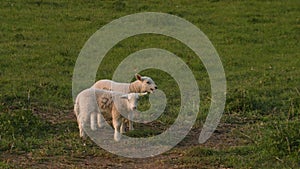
[91, 102]
[141, 85]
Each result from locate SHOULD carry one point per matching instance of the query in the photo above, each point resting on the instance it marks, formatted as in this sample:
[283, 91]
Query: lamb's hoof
[117, 137]
[101, 126]
[94, 128]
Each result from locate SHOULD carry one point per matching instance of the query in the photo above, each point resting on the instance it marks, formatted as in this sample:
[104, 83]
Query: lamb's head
[146, 84]
[132, 99]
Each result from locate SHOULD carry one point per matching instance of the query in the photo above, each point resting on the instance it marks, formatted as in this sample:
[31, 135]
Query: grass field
[258, 43]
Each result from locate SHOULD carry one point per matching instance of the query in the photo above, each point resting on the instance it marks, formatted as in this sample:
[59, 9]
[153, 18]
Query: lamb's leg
[116, 120]
[78, 116]
[130, 123]
[81, 130]
[93, 121]
[117, 124]
[122, 129]
[80, 122]
[100, 120]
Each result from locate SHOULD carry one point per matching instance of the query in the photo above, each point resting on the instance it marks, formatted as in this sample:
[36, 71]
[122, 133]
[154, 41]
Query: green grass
[258, 43]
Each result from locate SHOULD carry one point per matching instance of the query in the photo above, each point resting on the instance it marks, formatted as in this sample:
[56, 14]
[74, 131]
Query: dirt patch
[224, 137]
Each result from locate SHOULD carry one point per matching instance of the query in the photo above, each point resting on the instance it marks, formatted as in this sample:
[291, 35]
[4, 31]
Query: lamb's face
[146, 84]
[132, 99]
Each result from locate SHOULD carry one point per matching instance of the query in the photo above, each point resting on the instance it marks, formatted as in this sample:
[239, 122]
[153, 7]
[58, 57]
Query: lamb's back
[112, 85]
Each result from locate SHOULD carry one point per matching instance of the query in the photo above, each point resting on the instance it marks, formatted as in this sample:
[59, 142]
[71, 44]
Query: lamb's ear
[125, 96]
[138, 77]
[142, 94]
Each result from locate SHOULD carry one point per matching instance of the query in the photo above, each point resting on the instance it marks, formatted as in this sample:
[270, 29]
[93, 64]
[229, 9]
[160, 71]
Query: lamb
[141, 85]
[91, 102]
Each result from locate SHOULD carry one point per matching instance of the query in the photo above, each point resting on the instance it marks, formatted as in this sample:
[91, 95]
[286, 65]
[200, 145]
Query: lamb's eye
[148, 82]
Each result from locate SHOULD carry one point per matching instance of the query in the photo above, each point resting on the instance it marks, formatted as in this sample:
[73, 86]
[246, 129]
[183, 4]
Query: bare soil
[223, 137]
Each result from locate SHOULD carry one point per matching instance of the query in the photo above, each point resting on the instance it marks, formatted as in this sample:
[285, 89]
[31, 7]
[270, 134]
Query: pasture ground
[258, 43]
